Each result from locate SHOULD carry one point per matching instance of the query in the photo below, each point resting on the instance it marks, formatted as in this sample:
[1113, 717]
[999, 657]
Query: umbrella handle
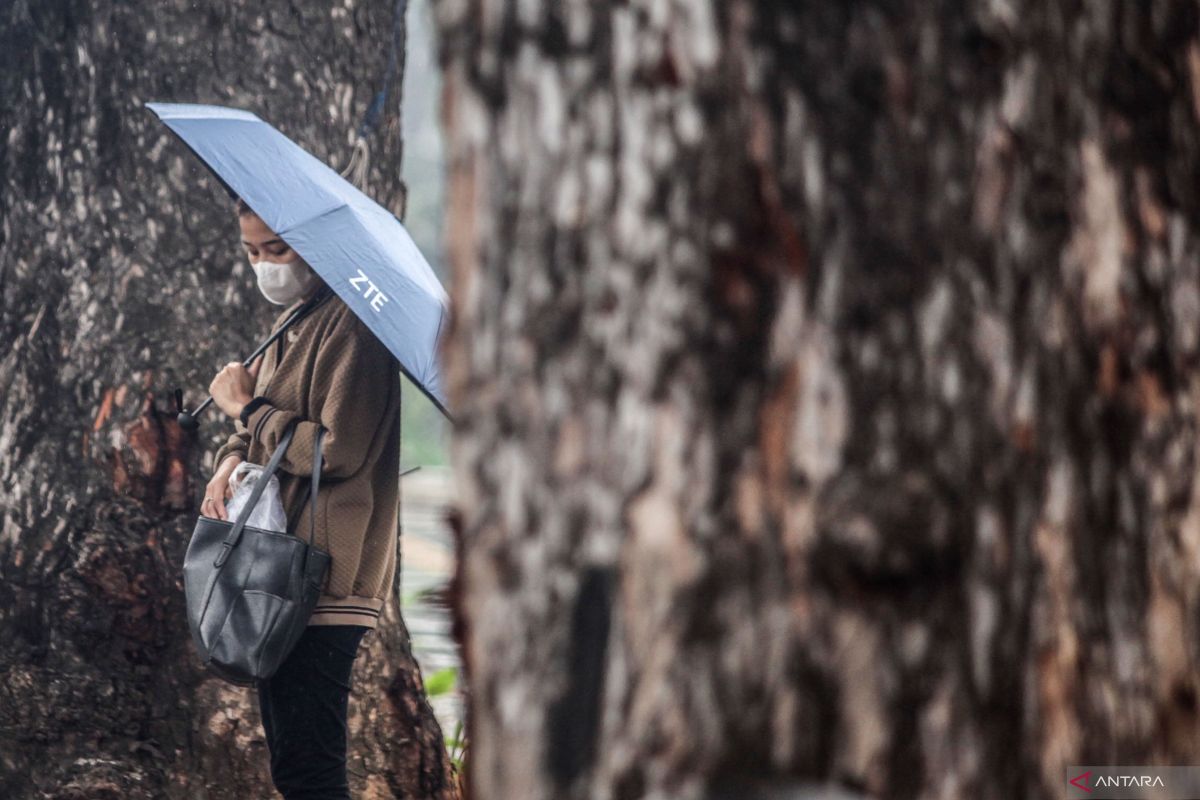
[189, 420]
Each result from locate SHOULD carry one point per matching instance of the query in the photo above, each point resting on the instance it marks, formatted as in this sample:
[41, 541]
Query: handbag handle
[235, 533]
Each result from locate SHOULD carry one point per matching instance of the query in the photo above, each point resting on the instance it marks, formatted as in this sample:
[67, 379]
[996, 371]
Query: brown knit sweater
[329, 368]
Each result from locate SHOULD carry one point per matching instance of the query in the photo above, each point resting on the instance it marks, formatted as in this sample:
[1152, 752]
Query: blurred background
[428, 553]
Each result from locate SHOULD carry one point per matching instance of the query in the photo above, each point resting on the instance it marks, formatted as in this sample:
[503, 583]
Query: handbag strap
[260, 485]
[234, 534]
[294, 516]
[314, 484]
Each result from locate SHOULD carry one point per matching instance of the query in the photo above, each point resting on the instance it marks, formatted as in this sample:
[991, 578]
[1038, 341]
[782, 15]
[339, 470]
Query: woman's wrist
[230, 463]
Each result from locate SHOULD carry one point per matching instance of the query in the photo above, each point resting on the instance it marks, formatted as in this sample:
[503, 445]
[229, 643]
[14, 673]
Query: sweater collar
[318, 295]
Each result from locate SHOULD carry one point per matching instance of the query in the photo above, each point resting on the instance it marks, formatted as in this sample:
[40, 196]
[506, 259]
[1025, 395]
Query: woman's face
[261, 243]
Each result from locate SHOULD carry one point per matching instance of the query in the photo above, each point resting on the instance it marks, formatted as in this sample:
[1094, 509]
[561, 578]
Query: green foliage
[441, 682]
[456, 747]
[424, 439]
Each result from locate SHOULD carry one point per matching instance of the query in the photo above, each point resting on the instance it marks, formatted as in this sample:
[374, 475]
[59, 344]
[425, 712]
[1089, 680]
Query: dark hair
[242, 208]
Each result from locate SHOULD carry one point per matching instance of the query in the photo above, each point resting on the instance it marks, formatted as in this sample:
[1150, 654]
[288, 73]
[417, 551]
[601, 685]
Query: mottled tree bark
[827, 378]
[121, 277]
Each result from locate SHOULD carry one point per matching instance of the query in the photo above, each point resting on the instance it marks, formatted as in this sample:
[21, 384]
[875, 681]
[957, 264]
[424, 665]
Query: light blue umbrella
[357, 247]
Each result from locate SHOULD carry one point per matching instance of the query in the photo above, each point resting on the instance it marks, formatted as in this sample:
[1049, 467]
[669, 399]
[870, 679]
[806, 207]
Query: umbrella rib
[309, 220]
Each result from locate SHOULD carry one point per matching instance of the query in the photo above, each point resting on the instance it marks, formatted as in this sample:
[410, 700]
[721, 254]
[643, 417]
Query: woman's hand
[218, 490]
[234, 386]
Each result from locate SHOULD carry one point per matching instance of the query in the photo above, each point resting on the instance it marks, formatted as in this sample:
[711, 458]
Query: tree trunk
[827, 379]
[121, 277]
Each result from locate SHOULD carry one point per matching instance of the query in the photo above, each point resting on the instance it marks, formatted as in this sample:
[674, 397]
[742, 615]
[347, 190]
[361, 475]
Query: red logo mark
[1076, 781]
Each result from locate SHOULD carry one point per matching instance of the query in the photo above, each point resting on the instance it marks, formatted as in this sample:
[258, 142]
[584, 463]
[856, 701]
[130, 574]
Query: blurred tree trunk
[827, 377]
[121, 277]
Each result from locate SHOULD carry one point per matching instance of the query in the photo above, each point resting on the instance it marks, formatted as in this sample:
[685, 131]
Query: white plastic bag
[268, 511]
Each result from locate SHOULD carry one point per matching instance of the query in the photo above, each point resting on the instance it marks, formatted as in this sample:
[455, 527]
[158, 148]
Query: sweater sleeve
[351, 381]
[238, 443]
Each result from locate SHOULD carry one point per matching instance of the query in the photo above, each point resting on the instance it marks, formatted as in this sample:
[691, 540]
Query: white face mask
[284, 284]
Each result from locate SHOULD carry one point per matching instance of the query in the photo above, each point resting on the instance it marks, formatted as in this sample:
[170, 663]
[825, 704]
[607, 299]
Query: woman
[328, 370]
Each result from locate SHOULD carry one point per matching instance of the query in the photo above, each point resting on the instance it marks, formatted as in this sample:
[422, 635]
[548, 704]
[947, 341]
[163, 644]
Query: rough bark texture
[121, 277]
[827, 377]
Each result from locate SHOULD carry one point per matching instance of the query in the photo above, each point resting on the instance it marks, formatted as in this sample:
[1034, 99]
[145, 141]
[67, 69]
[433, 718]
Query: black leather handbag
[251, 592]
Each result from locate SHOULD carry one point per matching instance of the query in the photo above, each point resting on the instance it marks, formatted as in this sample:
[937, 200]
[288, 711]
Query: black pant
[303, 707]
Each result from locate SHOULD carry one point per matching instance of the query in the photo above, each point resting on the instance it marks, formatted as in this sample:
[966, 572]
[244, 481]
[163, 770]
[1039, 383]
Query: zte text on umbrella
[370, 291]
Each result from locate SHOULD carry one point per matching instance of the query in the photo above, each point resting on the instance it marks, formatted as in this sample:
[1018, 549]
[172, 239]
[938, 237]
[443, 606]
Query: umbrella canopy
[357, 247]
